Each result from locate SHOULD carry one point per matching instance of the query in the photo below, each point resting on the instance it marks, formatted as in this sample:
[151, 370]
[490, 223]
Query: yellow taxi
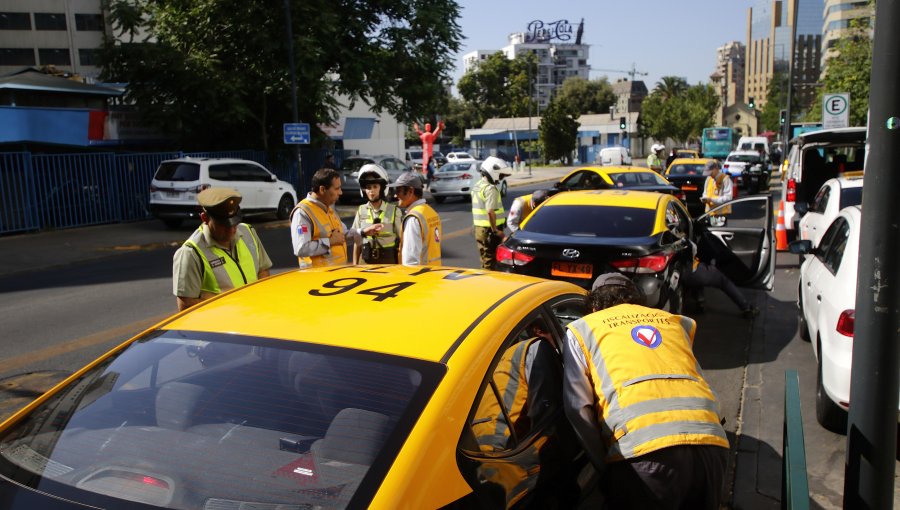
[614, 177]
[349, 387]
[687, 153]
[689, 176]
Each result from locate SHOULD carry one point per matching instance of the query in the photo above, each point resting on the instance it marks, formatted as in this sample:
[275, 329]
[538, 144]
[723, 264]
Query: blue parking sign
[296, 133]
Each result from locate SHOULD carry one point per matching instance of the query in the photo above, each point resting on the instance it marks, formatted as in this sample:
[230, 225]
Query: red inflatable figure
[428, 139]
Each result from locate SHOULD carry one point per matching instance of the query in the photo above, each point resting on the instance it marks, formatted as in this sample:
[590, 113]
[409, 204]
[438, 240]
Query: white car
[827, 303]
[616, 156]
[176, 183]
[834, 195]
[457, 157]
[458, 179]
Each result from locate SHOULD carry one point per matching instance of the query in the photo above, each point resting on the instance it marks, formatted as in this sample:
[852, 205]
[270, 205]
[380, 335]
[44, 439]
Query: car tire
[172, 222]
[803, 326]
[439, 199]
[675, 300]
[829, 415]
[285, 206]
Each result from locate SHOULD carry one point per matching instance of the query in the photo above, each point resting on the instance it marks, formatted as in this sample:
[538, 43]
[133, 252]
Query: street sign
[836, 111]
[296, 133]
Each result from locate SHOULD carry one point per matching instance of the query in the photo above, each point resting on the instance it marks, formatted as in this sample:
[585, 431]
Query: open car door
[739, 239]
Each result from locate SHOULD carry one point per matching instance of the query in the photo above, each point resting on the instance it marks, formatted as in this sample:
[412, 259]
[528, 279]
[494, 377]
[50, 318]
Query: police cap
[222, 204]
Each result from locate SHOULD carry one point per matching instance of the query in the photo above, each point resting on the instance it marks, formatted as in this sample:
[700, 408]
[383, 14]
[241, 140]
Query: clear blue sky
[661, 38]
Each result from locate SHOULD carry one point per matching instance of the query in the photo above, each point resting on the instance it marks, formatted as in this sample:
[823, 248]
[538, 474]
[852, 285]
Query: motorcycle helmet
[495, 169]
[370, 174]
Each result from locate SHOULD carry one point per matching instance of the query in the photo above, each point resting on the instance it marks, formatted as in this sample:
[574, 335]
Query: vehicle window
[415, 154]
[455, 167]
[829, 238]
[835, 254]
[301, 421]
[220, 172]
[850, 196]
[821, 202]
[569, 310]
[573, 182]
[744, 158]
[255, 173]
[592, 221]
[354, 164]
[178, 171]
[686, 169]
[677, 221]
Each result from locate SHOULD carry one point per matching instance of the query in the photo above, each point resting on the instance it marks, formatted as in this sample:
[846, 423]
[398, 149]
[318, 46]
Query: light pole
[294, 115]
[530, 99]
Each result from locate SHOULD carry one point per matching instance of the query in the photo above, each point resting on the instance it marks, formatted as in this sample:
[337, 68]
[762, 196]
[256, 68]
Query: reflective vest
[654, 162]
[430, 224]
[387, 238]
[221, 271]
[711, 189]
[648, 386]
[324, 222]
[490, 424]
[479, 207]
[526, 209]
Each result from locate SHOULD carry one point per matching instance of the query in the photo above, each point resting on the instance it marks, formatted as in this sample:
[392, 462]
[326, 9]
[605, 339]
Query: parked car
[749, 171]
[283, 406]
[816, 157]
[689, 175]
[458, 156]
[455, 179]
[826, 300]
[579, 235]
[614, 156]
[833, 196]
[687, 153]
[174, 188]
[414, 158]
[349, 171]
[612, 177]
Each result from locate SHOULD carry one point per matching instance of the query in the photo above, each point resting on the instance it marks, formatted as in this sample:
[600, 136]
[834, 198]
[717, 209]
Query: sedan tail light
[512, 257]
[465, 177]
[648, 264]
[791, 195]
[845, 323]
[435, 178]
[200, 188]
[153, 189]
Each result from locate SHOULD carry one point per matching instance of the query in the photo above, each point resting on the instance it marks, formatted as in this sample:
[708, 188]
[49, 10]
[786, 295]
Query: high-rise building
[770, 24]
[728, 78]
[66, 34]
[837, 17]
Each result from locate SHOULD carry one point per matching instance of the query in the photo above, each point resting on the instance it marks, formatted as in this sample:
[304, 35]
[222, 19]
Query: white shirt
[726, 194]
[514, 218]
[413, 245]
[578, 401]
[302, 230]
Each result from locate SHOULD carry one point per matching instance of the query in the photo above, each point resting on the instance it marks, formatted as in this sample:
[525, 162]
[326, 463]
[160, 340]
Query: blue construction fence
[55, 191]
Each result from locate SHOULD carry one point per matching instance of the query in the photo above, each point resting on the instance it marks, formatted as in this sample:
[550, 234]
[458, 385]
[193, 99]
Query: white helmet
[372, 173]
[495, 169]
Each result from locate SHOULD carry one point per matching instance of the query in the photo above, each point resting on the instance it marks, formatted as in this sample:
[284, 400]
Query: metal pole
[874, 389]
[294, 114]
[790, 84]
[530, 99]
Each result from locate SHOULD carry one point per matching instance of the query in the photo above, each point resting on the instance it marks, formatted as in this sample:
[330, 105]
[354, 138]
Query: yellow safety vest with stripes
[387, 238]
[430, 225]
[490, 425]
[324, 222]
[712, 190]
[648, 386]
[221, 271]
[479, 207]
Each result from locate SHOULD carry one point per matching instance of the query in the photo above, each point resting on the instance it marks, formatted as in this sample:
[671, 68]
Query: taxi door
[743, 245]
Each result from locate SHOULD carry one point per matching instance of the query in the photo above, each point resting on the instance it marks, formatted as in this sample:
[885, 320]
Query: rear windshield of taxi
[178, 171]
[624, 179]
[194, 420]
[686, 169]
[592, 221]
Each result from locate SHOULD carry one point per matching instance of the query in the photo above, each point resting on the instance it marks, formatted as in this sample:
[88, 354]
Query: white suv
[174, 188]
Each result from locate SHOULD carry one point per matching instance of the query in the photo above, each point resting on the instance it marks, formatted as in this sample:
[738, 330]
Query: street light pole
[530, 99]
[294, 114]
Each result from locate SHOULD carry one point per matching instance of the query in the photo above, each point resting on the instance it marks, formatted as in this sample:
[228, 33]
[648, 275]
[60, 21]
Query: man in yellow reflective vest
[421, 231]
[637, 399]
[220, 255]
[318, 236]
[523, 206]
[717, 189]
[488, 215]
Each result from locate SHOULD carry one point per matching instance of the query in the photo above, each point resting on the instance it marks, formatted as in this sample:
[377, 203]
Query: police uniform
[203, 267]
[389, 215]
[486, 197]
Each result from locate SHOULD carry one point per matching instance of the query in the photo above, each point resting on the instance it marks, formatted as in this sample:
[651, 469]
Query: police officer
[637, 399]
[380, 248]
[220, 255]
[522, 207]
[487, 212]
[317, 234]
[420, 238]
[653, 160]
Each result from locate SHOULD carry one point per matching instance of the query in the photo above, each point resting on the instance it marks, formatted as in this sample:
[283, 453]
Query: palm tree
[671, 86]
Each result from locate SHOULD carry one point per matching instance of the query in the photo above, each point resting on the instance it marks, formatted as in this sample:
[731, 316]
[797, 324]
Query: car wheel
[675, 300]
[828, 414]
[172, 222]
[285, 206]
[801, 319]
[502, 188]
[439, 199]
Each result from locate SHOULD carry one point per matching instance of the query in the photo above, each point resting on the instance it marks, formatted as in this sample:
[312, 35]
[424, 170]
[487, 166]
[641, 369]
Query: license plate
[689, 187]
[572, 270]
[173, 194]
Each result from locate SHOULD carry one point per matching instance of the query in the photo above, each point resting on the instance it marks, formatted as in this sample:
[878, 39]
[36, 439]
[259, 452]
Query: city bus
[717, 142]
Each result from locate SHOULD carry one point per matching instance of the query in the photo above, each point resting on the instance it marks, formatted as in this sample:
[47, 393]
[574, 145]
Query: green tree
[776, 100]
[670, 86]
[680, 115]
[460, 115]
[498, 86]
[586, 96]
[217, 70]
[849, 70]
[558, 132]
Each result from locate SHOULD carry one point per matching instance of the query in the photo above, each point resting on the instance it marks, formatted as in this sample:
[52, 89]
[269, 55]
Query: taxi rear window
[592, 221]
[686, 169]
[196, 420]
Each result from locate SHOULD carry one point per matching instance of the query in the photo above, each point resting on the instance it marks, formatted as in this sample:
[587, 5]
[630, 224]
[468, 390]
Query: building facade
[836, 21]
[630, 95]
[728, 78]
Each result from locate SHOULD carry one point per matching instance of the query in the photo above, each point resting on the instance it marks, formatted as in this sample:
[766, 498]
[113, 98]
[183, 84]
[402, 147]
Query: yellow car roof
[419, 312]
[604, 171]
[690, 161]
[614, 198]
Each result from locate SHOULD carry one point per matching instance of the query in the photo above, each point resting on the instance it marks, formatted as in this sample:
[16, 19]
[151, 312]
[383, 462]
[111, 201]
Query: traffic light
[783, 117]
[752, 103]
[622, 123]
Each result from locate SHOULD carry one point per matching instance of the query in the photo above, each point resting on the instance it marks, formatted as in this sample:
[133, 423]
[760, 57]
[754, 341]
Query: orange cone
[781, 243]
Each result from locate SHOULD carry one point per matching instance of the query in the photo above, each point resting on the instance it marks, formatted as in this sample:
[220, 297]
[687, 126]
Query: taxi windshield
[198, 420]
[592, 221]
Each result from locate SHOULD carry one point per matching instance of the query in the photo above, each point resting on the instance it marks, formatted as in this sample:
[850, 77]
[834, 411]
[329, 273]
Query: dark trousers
[674, 478]
[487, 246]
[709, 276]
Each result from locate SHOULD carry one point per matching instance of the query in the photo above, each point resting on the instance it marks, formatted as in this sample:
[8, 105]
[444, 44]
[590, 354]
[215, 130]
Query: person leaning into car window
[637, 399]
[523, 206]
[220, 255]
[717, 190]
[317, 233]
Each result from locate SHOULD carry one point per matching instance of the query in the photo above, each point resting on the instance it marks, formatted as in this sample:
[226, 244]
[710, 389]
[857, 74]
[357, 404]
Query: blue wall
[63, 126]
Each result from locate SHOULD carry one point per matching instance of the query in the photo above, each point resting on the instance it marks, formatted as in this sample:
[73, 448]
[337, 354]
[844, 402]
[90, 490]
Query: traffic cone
[781, 243]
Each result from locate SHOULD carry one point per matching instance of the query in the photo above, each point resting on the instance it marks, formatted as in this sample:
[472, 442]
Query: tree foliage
[586, 96]
[498, 86]
[218, 70]
[678, 112]
[558, 132]
[776, 100]
[460, 115]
